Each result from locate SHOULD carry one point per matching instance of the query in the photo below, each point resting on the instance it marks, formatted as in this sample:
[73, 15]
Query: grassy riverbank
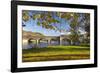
[52, 53]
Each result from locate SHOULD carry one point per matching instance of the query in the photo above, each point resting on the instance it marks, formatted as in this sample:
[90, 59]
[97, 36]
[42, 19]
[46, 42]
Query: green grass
[51, 53]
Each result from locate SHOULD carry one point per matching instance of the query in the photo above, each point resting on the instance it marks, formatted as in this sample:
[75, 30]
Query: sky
[31, 25]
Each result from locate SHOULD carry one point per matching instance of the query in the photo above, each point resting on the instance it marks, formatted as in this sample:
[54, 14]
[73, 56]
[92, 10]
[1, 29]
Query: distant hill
[27, 34]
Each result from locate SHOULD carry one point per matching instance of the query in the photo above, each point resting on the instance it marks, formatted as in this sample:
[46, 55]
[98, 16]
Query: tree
[73, 19]
[85, 24]
[77, 21]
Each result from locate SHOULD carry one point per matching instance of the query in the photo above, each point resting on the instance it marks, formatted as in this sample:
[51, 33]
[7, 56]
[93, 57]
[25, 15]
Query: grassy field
[52, 53]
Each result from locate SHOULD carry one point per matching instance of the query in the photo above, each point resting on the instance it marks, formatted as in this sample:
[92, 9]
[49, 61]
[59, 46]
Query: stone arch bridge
[48, 39]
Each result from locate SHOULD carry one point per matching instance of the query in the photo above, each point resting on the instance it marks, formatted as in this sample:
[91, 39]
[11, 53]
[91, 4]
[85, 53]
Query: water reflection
[43, 44]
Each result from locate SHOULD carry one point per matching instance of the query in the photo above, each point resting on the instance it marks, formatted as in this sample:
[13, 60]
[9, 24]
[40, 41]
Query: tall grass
[56, 53]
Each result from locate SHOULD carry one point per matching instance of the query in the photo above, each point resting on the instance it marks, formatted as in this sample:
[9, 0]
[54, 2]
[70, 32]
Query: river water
[42, 44]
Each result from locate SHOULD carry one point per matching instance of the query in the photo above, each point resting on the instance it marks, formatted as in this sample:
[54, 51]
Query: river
[42, 44]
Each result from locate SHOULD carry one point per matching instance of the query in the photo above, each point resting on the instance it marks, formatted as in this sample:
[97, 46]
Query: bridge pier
[71, 42]
[25, 41]
[49, 41]
[61, 41]
[37, 42]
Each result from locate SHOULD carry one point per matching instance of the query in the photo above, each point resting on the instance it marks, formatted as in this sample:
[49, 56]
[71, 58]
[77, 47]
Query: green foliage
[85, 44]
[25, 16]
[38, 23]
[36, 16]
[46, 18]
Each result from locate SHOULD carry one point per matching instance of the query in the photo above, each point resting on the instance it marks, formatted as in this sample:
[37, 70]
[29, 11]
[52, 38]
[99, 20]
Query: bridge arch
[66, 41]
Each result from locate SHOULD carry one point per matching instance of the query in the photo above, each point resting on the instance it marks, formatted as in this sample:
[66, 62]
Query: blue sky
[31, 25]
